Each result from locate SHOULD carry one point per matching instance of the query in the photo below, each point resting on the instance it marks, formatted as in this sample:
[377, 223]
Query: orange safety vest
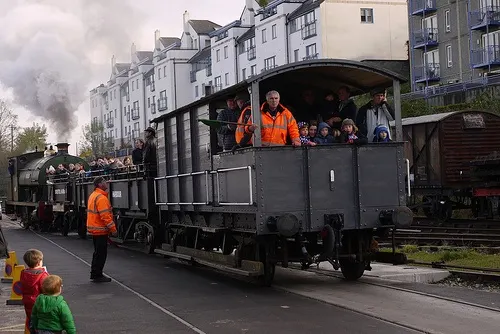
[274, 130]
[100, 214]
[245, 117]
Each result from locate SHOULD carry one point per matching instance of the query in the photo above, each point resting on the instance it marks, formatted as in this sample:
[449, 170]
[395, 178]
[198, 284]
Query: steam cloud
[49, 50]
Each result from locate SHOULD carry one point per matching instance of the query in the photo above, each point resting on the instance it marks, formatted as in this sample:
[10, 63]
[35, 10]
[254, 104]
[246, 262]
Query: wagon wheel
[267, 254]
[149, 244]
[352, 270]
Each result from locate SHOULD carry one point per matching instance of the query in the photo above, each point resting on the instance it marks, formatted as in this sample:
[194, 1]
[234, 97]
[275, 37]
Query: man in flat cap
[149, 152]
[227, 131]
[375, 113]
[100, 225]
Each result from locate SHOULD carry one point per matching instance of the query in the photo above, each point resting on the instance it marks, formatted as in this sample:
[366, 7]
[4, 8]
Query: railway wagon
[248, 210]
[131, 193]
[34, 197]
[441, 148]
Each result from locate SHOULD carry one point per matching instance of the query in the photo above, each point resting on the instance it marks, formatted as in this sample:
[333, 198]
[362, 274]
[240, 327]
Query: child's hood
[322, 125]
[381, 128]
[47, 304]
[31, 277]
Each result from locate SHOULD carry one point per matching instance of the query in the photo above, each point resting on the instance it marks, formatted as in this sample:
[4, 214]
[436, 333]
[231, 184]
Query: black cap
[378, 91]
[98, 180]
[150, 129]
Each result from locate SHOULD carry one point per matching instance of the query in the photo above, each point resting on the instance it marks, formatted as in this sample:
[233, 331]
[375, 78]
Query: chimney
[62, 148]
[133, 50]
[113, 63]
[157, 39]
[249, 15]
[185, 19]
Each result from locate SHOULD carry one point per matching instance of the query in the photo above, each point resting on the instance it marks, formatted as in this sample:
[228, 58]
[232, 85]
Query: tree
[8, 126]
[263, 3]
[93, 142]
[31, 137]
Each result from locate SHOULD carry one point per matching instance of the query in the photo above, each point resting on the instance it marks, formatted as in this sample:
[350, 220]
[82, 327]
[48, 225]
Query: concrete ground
[151, 294]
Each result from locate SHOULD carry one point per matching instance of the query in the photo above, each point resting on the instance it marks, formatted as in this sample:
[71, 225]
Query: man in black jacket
[137, 152]
[374, 113]
[227, 131]
[149, 152]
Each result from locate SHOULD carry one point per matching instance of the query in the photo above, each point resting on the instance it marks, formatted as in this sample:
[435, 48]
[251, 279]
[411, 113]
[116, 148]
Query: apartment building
[209, 57]
[453, 41]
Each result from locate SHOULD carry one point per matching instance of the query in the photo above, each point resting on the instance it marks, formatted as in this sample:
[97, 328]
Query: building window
[217, 55]
[196, 92]
[244, 74]
[367, 15]
[225, 52]
[449, 59]
[264, 36]
[218, 83]
[447, 23]
[137, 84]
[159, 73]
[311, 52]
[149, 102]
[274, 32]
[253, 70]
[269, 63]
[165, 71]
[296, 55]
[226, 79]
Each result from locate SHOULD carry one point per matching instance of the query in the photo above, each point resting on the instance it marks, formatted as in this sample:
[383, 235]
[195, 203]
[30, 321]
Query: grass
[463, 257]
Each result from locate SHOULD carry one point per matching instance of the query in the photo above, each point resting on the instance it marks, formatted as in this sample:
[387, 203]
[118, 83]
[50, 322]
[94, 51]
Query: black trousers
[99, 256]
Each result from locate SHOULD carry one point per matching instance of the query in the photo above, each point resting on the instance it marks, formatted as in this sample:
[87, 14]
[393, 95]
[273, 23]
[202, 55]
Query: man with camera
[374, 113]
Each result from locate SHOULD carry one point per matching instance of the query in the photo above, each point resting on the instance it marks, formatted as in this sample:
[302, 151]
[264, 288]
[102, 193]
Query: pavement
[151, 294]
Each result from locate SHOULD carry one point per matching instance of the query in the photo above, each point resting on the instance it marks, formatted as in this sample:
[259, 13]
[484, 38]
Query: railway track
[456, 232]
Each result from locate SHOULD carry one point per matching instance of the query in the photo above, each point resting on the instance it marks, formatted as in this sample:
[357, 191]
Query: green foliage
[93, 142]
[263, 3]
[30, 138]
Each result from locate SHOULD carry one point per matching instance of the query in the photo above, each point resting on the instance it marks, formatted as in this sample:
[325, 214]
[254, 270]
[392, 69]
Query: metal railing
[312, 56]
[427, 36]
[484, 16]
[422, 6]
[430, 71]
[485, 56]
[207, 192]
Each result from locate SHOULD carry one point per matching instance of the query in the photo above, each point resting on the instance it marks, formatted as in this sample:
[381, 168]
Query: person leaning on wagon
[374, 113]
[242, 139]
[347, 107]
[227, 132]
[100, 225]
[277, 123]
[149, 152]
[137, 152]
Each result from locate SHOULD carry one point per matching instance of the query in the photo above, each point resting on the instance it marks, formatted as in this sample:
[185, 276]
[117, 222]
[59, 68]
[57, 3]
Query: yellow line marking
[10, 327]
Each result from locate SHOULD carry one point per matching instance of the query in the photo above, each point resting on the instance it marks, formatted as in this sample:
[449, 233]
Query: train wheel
[352, 270]
[145, 235]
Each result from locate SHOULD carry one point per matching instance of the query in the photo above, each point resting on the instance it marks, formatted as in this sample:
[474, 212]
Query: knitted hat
[303, 125]
[348, 121]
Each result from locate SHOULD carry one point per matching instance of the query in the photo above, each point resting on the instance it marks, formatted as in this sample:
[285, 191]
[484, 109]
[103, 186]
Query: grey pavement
[209, 301]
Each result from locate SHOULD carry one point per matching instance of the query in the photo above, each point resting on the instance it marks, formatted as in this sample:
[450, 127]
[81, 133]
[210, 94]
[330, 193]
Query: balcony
[311, 56]
[427, 73]
[251, 53]
[487, 56]
[135, 114]
[153, 108]
[192, 76]
[421, 7]
[162, 103]
[425, 38]
[110, 123]
[208, 71]
[488, 16]
[309, 30]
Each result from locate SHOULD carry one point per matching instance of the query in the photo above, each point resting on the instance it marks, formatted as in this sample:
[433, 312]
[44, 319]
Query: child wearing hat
[305, 139]
[350, 133]
[381, 134]
[323, 137]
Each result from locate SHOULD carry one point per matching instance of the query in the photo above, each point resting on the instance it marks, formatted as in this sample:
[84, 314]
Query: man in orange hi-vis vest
[100, 225]
[277, 123]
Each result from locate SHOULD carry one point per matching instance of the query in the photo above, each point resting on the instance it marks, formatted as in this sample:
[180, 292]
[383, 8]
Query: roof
[120, 67]
[236, 23]
[201, 55]
[247, 35]
[434, 118]
[143, 55]
[203, 27]
[167, 41]
[306, 7]
[317, 73]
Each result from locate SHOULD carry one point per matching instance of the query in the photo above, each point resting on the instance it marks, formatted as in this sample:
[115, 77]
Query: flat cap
[378, 91]
[150, 129]
[98, 180]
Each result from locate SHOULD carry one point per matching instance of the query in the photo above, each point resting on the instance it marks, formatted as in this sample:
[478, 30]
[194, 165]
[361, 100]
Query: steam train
[248, 210]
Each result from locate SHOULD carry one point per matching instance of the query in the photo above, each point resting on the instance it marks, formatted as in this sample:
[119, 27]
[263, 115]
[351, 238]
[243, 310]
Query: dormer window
[269, 12]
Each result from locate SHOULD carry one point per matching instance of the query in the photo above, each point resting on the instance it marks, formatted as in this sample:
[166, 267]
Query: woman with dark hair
[137, 152]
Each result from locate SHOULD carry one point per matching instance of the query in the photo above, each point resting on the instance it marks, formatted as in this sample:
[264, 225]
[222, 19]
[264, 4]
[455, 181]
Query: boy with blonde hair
[51, 313]
[31, 280]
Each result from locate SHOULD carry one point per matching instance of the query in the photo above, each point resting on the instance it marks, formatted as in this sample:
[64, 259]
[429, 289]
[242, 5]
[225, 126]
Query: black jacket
[227, 132]
[348, 109]
[149, 153]
[137, 156]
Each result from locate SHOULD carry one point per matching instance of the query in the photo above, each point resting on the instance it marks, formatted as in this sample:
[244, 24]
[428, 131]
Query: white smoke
[48, 50]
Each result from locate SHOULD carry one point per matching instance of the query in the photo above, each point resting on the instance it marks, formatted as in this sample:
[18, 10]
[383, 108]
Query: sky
[61, 49]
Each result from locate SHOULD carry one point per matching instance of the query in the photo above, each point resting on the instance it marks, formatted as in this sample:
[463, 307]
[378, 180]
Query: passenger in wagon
[347, 107]
[330, 113]
[381, 134]
[305, 140]
[350, 133]
[149, 153]
[308, 108]
[323, 137]
[242, 139]
[277, 123]
[137, 152]
[227, 131]
[313, 129]
[374, 113]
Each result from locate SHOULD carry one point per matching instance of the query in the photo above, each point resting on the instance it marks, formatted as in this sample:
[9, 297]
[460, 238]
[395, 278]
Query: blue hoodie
[377, 131]
[319, 139]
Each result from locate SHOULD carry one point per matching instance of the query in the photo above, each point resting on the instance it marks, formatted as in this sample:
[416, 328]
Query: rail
[207, 194]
